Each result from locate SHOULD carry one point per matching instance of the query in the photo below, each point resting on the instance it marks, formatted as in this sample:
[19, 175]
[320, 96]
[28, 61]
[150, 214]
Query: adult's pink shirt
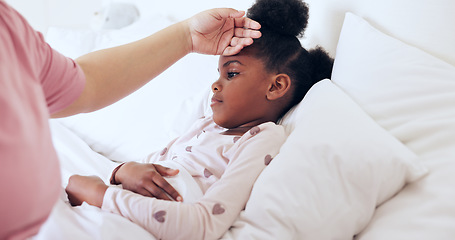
[35, 81]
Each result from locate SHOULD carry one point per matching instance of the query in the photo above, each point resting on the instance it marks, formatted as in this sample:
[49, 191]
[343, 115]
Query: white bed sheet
[83, 222]
[88, 222]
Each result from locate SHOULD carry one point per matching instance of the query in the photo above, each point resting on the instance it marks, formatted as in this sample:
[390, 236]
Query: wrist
[115, 179]
[187, 39]
[99, 198]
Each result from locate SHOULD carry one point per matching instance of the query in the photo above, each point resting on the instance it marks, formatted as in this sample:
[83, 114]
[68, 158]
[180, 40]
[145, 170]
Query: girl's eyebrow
[231, 61]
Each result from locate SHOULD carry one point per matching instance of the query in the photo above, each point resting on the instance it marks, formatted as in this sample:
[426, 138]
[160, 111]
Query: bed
[370, 153]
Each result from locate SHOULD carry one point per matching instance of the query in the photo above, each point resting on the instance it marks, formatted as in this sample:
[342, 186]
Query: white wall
[44, 13]
[78, 13]
[35, 11]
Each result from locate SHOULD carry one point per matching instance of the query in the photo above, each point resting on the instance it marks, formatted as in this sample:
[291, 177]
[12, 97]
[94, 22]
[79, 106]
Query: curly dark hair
[283, 22]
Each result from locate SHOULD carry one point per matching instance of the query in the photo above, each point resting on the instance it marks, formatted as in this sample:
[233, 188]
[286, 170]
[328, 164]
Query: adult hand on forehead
[222, 31]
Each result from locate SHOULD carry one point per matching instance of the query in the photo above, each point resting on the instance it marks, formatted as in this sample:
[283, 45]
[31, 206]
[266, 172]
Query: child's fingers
[163, 187]
[155, 192]
[165, 171]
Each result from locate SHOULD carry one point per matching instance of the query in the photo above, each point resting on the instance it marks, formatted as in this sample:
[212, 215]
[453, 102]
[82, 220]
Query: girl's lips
[215, 101]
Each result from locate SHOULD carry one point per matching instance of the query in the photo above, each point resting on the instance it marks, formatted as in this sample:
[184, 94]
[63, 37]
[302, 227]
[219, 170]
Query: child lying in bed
[225, 152]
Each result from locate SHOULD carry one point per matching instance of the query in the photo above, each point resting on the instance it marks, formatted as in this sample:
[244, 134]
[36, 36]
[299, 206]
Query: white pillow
[412, 94]
[336, 166]
[406, 90]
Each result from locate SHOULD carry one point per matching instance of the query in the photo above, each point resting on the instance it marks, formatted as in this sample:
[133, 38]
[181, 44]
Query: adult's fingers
[241, 42]
[247, 33]
[227, 13]
[232, 50]
[244, 22]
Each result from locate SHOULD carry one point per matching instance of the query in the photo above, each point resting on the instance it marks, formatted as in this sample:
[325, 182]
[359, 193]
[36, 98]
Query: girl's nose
[216, 87]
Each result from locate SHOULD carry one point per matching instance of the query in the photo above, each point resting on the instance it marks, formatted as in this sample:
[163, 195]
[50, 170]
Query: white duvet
[83, 222]
[88, 222]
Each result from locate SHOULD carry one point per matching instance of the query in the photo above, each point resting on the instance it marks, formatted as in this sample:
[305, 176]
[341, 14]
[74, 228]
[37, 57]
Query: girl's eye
[231, 74]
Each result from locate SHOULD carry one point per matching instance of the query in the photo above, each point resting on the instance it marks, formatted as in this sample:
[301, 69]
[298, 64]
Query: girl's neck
[238, 131]
[242, 129]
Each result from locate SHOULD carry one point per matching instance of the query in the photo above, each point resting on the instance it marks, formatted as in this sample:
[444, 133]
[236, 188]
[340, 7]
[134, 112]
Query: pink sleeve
[212, 216]
[61, 79]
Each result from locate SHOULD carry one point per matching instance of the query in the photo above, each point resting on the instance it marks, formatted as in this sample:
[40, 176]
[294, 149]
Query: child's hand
[147, 179]
[88, 189]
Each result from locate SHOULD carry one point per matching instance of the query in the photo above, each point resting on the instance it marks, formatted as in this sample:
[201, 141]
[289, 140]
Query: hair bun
[287, 17]
[322, 63]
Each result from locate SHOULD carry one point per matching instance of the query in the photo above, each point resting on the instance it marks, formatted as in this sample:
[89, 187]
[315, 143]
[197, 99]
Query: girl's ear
[279, 86]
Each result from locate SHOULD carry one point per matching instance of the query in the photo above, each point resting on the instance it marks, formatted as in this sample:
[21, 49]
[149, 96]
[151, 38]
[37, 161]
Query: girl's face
[240, 94]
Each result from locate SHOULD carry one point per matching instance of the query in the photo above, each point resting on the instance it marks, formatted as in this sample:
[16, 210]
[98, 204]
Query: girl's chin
[218, 122]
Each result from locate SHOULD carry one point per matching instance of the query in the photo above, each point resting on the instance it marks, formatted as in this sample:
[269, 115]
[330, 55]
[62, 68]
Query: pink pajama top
[35, 81]
[224, 167]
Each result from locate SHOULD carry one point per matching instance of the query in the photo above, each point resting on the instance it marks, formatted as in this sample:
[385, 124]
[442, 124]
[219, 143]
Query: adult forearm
[113, 73]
